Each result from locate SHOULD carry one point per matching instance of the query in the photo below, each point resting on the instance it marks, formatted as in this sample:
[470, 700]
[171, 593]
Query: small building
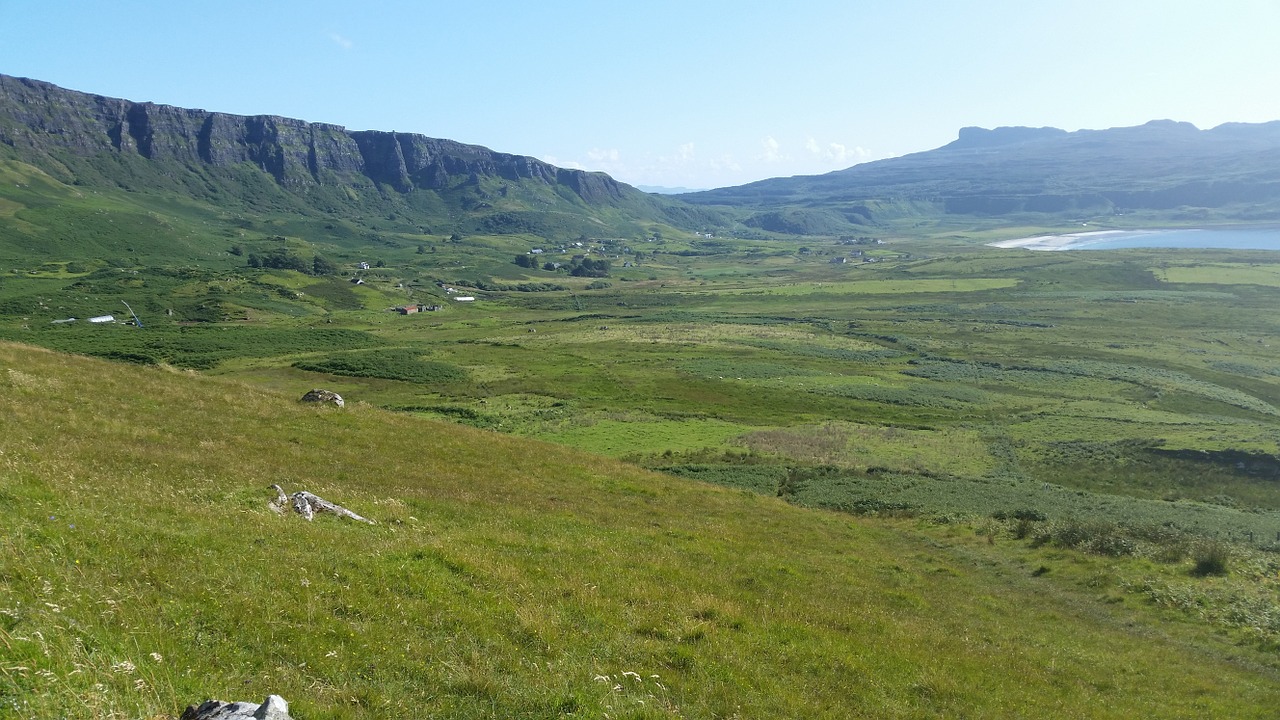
[103, 319]
[364, 266]
[357, 281]
[407, 309]
[464, 298]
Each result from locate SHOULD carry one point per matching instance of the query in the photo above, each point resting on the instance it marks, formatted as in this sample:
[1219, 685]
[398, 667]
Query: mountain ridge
[83, 138]
[295, 152]
[1160, 166]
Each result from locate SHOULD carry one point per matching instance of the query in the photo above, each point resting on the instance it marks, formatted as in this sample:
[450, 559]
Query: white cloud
[842, 153]
[725, 162]
[772, 150]
[597, 155]
[812, 146]
[341, 41]
[566, 164]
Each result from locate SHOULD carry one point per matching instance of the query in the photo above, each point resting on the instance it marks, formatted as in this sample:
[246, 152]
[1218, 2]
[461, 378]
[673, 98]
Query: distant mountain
[1162, 167]
[446, 186]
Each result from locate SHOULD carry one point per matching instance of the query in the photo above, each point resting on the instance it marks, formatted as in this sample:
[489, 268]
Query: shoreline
[1067, 241]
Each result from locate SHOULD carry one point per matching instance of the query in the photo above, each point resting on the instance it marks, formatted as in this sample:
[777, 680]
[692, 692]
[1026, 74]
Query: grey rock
[323, 396]
[273, 708]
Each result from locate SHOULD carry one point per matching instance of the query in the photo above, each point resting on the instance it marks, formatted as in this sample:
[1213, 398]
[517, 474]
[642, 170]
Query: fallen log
[308, 504]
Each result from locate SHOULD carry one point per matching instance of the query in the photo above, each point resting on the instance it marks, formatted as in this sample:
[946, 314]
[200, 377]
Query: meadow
[1088, 438]
[143, 571]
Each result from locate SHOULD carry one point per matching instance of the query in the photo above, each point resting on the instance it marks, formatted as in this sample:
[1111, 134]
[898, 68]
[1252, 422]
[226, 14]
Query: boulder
[273, 708]
[323, 396]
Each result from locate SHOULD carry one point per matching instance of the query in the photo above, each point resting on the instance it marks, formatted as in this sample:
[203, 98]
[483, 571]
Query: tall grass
[505, 578]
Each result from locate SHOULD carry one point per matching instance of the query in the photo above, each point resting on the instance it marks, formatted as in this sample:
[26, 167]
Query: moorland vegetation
[879, 469]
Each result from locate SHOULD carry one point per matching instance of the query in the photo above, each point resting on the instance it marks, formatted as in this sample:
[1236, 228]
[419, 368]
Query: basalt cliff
[88, 139]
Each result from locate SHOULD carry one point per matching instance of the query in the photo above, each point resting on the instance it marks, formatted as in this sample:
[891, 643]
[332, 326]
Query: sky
[689, 93]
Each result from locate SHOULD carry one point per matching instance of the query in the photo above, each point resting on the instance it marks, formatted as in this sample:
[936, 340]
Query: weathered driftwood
[273, 708]
[307, 505]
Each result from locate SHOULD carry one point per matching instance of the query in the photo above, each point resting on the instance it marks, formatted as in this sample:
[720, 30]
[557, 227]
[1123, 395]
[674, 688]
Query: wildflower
[124, 666]
[157, 657]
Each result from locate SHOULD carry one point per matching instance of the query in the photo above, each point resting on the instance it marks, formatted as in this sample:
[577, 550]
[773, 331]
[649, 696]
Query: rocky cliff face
[37, 118]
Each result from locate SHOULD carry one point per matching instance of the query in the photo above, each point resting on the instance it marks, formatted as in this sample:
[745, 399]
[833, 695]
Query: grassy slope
[142, 571]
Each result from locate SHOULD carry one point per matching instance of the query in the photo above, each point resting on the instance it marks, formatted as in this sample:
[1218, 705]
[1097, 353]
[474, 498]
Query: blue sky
[693, 94]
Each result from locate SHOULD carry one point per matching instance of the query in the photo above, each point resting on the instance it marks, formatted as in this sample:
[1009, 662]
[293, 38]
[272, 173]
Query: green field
[786, 486]
[508, 578]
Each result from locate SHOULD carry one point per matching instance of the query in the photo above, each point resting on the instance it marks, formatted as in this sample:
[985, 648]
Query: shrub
[1211, 558]
[396, 364]
[1099, 538]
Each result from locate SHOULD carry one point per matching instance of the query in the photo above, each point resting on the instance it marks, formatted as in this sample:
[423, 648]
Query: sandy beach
[1057, 242]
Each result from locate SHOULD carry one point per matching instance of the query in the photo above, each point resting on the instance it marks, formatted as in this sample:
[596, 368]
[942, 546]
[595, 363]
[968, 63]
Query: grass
[1223, 274]
[1030, 451]
[877, 287]
[508, 578]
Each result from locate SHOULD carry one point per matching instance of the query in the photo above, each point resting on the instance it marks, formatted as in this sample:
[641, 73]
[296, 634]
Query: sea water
[1238, 239]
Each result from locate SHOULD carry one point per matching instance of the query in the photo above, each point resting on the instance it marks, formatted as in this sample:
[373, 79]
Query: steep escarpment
[72, 135]
[39, 117]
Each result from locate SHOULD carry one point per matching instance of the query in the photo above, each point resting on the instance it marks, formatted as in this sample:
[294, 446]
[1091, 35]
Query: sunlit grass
[622, 436]
[143, 572]
[875, 287]
[1222, 274]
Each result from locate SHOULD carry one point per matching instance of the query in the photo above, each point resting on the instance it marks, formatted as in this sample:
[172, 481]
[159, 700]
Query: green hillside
[174, 159]
[1157, 173]
[506, 578]
[816, 453]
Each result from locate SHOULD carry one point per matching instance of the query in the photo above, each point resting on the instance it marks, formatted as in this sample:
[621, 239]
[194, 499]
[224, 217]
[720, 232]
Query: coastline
[1067, 241]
